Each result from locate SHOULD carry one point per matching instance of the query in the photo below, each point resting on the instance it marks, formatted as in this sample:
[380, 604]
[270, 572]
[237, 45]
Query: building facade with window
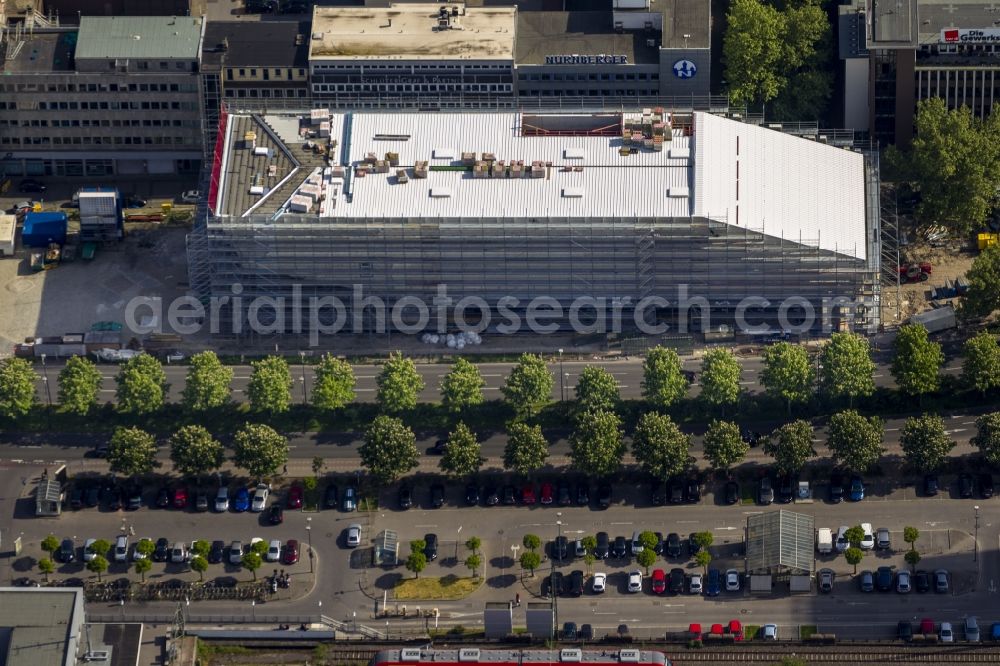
[117, 96]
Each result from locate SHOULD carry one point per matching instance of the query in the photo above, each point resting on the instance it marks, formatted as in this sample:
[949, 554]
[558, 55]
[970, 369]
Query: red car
[180, 498]
[735, 629]
[528, 494]
[295, 496]
[290, 553]
[927, 626]
[659, 581]
[546, 493]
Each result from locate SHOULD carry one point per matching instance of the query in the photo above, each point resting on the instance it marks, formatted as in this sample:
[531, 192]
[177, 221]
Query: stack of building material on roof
[319, 116]
[314, 192]
[420, 169]
[392, 159]
[479, 170]
[300, 204]
[468, 159]
[537, 169]
[324, 129]
[401, 177]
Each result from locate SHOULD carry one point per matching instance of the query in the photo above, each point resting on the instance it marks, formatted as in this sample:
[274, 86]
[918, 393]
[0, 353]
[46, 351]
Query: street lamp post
[562, 385]
[309, 537]
[45, 380]
[253, 609]
[302, 367]
[975, 545]
[555, 593]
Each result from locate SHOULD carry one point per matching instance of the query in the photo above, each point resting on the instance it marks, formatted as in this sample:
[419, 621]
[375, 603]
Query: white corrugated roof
[782, 185]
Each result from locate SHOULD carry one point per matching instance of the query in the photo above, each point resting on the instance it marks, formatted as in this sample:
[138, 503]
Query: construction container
[986, 240]
[42, 229]
[8, 228]
[938, 319]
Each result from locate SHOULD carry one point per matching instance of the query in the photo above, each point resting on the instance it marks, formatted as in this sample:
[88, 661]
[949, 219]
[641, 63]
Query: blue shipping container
[40, 229]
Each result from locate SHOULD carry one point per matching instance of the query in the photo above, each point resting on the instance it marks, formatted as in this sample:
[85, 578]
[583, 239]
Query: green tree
[194, 451]
[983, 296]
[596, 444]
[597, 390]
[17, 387]
[101, 547]
[987, 438]
[98, 565]
[752, 52]
[142, 385]
[910, 536]
[270, 386]
[530, 541]
[142, 566]
[855, 441]
[981, 362]
[131, 451]
[144, 547]
[649, 540]
[659, 446]
[416, 562]
[318, 463]
[201, 547]
[473, 562]
[854, 535]
[791, 446]
[259, 547]
[916, 362]
[46, 566]
[251, 561]
[79, 385]
[589, 543]
[399, 384]
[954, 163]
[418, 546]
[207, 384]
[260, 450]
[50, 544]
[925, 443]
[912, 558]
[704, 540]
[200, 565]
[854, 556]
[847, 367]
[333, 383]
[646, 558]
[663, 381]
[787, 374]
[703, 558]
[389, 449]
[463, 454]
[473, 544]
[720, 378]
[530, 560]
[526, 448]
[462, 387]
[724, 445]
[529, 384]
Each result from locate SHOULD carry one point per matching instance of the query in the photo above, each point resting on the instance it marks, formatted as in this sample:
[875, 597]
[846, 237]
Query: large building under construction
[642, 219]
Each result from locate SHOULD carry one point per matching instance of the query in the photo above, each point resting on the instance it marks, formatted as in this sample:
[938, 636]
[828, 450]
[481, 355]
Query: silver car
[121, 549]
[260, 498]
[222, 499]
[635, 581]
[236, 552]
[972, 629]
[353, 535]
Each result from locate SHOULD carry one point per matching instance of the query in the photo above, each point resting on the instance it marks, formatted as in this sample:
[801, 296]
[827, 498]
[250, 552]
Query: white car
[274, 550]
[222, 499]
[236, 552]
[842, 544]
[947, 634]
[260, 498]
[121, 549]
[732, 580]
[178, 553]
[599, 583]
[695, 585]
[88, 554]
[868, 540]
[769, 632]
[635, 581]
[353, 535]
[191, 196]
[136, 555]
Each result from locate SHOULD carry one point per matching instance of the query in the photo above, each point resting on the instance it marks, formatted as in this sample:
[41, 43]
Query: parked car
[161, 553]
[868, 537]
[528, 497]
[713, 584]
[826, 578]
[472, 494]
[222, 499]
[922, 581]
[765, 491]
[405, 497]
[966, 486]
[905, 631]
[599, 582]
[635, 581]
[986, 485]
[32, 185]
[603, 548]
[178, 552]
[134, 498]
[139, 547]
[926, 626]
[236, 552]
[836, 488]
[121, 548]
[330, 500]
[349, 502]
[67, 551]
[290, 553]
[732, 492]
[972, 629]
[732, 580]
[857, 489]
[866, 581]
[88, 554]
[692, 491]
[941, 584]
[553, 584]
[509, 495]
[574, 584]
[216, 552]
[695, 584]
[931, 485]
[677, 580]
[295, 495]
[658, 581]
[673, 548]
[675, 490]
[903, 582]
[692, 545]
[92, 495]
[547, 494]
[76, 497]
[431, 546]
[883, 579]
[883, 540]
[619, 548]
[768, 632]
[179, 498]
[842, 544]
[260, 495]
[275, 514]
[273, 550]
[241, 501]
[946, 634]
[582, 494]
[786, 489]
[563, 497]
[437, 495]
[560, 548]
[569, 632]
[604, 495]
[658, 493]
[490, 496]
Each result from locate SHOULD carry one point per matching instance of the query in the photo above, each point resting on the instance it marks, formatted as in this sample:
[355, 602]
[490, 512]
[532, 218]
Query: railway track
[846, 656]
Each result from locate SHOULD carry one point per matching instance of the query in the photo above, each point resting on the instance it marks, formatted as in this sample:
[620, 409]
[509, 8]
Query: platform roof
[780, 541]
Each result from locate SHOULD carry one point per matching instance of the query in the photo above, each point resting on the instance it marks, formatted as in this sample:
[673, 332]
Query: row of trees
[416, 561]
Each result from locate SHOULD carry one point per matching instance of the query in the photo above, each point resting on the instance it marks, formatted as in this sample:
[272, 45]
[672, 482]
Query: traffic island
[435, 589]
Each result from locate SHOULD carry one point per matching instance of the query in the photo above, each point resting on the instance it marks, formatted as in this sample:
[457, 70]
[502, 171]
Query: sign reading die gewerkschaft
[575, 59]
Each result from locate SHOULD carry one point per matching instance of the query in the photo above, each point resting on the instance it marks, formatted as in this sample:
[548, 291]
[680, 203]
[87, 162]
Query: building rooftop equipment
[413, 32]
[139, 38]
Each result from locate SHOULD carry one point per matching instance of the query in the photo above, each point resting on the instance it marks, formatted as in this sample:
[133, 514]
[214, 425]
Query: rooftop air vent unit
[676, 192]
[571, 655]
[619, 27]
[468, 654]
[317, 36]
[441, 192]
[574, 154]
[97, 655]
[650, 43]
[444, 153]
[409, 654]
[628, 656]
[572, 192]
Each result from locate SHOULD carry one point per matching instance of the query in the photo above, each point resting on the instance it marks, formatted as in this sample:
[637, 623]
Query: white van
[824, 541]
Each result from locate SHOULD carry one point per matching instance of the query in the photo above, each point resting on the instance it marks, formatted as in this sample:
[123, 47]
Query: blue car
[995, 631]
[242, 500]
[713, 584]
[857, 492]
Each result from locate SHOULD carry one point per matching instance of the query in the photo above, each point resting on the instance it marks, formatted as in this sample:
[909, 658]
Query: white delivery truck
[824, 541]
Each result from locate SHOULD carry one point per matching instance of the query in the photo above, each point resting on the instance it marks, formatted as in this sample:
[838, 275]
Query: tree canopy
[720, 378]
[526, 448]
[724, 445]
[79, 385]
[142, 385]
[987, 438]
[399, 384]
[925, 443]
[663, 381]
[983, 296]
[260, 450]
[270, 386]
[207, 383]
[597, 389]
[596, 444]
[791, 446]
[981, 362]
[787, 375]
[131, 451]
[854, 440]
[333, 383]
[462, 387]
[847, 367]
[463, 455]
[194, 451]
[659, 446]
[917, 361]
[17, 387]
[389, 449]
[529, 384]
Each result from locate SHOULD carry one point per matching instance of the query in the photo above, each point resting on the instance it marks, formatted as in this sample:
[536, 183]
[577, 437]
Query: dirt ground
[949, 261]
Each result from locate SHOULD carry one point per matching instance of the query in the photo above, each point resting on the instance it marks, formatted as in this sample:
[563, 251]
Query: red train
[518, 657]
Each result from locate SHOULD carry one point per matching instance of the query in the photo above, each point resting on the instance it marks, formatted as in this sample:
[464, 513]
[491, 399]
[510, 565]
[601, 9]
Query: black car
[330, 499]
[786, 492]
[574, 584]
[751, 437]
[765, 491]
[569, 632]
[135, 201]
[986, 485]
[603, 546]
[883, 579]
[405, 497]
[201, 501]
[162, 550]
[619, 548]
[658, 494]
[560, 548]
[732, 492]
[673, 548]
[438, 448]
[582, 494]
[509, 495]
[836, 488]
[431, 546]
[604, 495]
[32, 185]
[67, 551]
[163, 498]
[216, 552]
[931, 485]
[563, 497]
[134, 495]
[472, 494]
[966, 486]
[675, 583]
[660, 543]
[437, 496]
[692, 491]
[554, 586]
[586, 632]
[922, 581]
[76, 497]
[275, 514]
[693, 547]
[111, 496]
[492, 497]
[675, 491]
[92, 495]
[905, 631]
